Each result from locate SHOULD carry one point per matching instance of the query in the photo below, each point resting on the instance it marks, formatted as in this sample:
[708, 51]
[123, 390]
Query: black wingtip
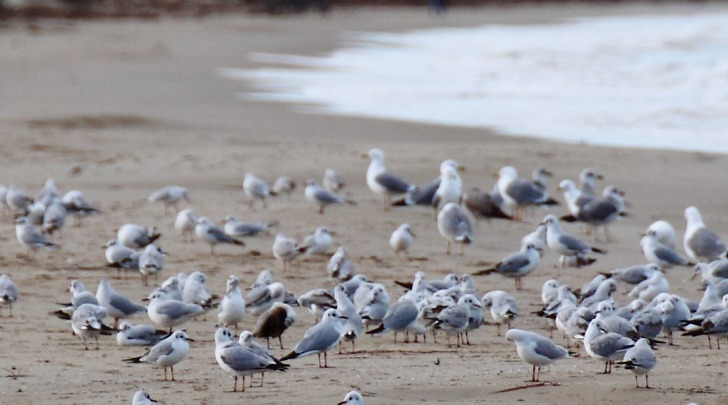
[568, 218]
[291, 355]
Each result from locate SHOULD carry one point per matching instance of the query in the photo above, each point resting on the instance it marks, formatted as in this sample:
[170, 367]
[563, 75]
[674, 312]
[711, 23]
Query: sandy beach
[118, 109]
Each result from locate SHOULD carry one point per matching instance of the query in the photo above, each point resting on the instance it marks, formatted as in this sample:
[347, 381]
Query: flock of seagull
[588, 317]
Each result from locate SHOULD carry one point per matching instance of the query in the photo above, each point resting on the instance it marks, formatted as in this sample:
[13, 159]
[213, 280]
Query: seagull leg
[636, 382]
[326, 362]
[251, 381]
[235, 383]
[262, 377]
[321, 209]
[97, 342]
[340, 346]
[498, 326]
[280, 341]
[447, 252]
[647, 381]
[319, 359]
[165, 374]
[83, 339]
[710, 344]
[243, 383]
[171, 369]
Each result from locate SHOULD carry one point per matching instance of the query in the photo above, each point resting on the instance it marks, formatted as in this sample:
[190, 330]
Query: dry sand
[118, 109]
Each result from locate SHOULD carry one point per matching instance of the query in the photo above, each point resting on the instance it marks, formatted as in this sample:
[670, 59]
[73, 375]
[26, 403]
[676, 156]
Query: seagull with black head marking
[382, 182]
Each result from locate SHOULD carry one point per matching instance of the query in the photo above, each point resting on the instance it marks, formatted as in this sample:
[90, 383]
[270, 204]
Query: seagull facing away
[256, 189]
[170, 196]
[322, 198]
[285, 249]
[535, 350]
[382, 182]
[455, 226]
[401, 239]
[640, 360]
[701, 244]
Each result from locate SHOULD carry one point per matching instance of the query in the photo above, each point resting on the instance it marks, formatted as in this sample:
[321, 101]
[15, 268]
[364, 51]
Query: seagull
[519, 193]
[517, 265]
[352, 398]
[332, 181]
[664, 232]
[240, 361]
[563, 243]
[352, 322]
[79, 296]
[232, 306]
[167, 353]
[661, 255]
[121, 257]
[587, 178]
[322, 198]
[482, 205]
[86, 322]
[77, 206]
[633, 274]
[8, 293]
[640, 360]
[419, 195]
[600, 211]
[398, 318]
[30, 237]
[274, 321]
[455, 226]
[246, 340]
[139, 335]
[168, 313]
[213, 234]
[451, 186]
[701, 244]
[382, 182]
[141, 397]
[401, 239]
[151, 262]
[502, 306]
[195, 290]
[317, 301]
[539, 175]
[136, 236]
[185, 223]
[317, 243]
[255, 189]
[54, 217]
[170, 196]
[117, 306]
[535, 350]
[607, 347]
[340, 267]
[262, 298]
[320, 338]
[17, 200]
[237, 228]
[285, 249]
[283, 185]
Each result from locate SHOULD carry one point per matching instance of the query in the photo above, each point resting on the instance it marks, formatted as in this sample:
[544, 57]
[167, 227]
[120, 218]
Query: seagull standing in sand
[401, 239]
[455, 226]
[535, 350]
[382, 182]
[167, 353]
[170, 196]
[213, 234]
[322, 198]
[320, 338]
[701, 244]
[256, 189]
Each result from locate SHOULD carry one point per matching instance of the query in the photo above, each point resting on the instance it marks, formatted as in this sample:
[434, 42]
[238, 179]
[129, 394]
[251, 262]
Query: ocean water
[636, 81]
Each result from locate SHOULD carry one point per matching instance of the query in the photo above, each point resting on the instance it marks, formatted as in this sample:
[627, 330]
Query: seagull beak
[412, 233]
[695, 274]
[343, 317]
[341, 403]
[364, 156]
[547, 173]
[496, 175]
[461, 168]
[599, 177]
[145, 299]
[189, 339]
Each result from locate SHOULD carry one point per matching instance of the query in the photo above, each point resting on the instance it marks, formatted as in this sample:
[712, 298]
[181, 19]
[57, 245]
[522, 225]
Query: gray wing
[163, 348]
[641, 356]
[219, 234]
[630, 275]
[609, 344]
[668, 255]
[400, 315]
[706, 243]
[241, 359]
[514, 263]
[525, 192]
[392, 183]
[177, 309]
[318, 338]
[84, 298]
[124, 305]
[584, 199]
[249, 229]
[423, 195]
[573, 243]
[258, 296]
[259, 188]
[720, 268]
[549, 349]
[327, 197]
[599, 211]
[457, 223]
